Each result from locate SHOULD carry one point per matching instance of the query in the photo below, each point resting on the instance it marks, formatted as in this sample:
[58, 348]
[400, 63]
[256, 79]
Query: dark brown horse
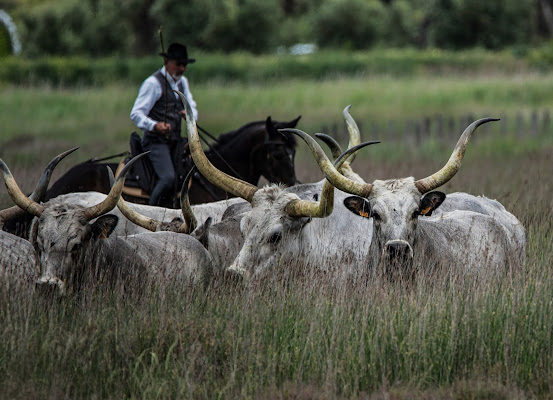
[249, 152]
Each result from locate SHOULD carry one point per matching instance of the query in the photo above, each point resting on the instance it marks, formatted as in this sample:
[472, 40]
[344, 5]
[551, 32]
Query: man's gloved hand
[163, 128]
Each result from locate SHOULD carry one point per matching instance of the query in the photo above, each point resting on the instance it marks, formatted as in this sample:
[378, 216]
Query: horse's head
[279, 150]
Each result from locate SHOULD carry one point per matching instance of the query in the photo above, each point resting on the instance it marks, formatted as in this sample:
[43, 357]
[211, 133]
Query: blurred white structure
[298, 49]
[6, 20]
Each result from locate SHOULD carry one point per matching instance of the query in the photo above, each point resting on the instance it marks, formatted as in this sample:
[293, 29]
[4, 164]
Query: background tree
[129, 27]
[186, 23]
[461, 24]
[354, 24]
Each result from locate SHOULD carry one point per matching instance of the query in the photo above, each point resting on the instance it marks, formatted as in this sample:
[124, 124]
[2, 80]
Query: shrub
[248, 25]
[489, 24]
[5, 43]
[349, 24]
[89, 27]
[183, 24]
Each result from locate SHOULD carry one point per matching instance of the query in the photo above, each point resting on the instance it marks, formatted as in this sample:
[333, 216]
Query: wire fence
[447, 129]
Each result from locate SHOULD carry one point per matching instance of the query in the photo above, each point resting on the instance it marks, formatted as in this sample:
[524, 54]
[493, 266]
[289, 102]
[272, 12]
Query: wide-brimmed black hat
[177, 52]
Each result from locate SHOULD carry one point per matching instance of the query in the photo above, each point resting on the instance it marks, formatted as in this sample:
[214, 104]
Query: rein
[211, 148]
[209, 135]
[96, 159]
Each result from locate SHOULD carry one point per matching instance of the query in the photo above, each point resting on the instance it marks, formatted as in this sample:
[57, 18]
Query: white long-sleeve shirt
[149, 93]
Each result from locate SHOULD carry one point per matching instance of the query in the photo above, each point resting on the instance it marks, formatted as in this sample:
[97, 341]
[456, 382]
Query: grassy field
[98, 118]
[296, 336]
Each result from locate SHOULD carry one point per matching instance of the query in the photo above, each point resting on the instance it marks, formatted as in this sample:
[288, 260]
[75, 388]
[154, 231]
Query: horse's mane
[228, 137]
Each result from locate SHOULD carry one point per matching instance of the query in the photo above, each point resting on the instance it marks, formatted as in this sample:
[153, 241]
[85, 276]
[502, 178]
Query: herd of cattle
[342, 226]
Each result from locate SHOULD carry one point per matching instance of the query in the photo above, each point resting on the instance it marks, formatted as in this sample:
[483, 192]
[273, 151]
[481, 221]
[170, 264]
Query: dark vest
[174, 105]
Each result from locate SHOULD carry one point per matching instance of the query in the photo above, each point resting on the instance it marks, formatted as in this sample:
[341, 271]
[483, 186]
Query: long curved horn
[137, 218]
[190, 221]
[226, 182]
[40, 189]
[132, 215]
[341, 159]
[42, 185]
[353, 130]
[336, 151]
[316, 209]
[113, 196]
[332, 144]
[17, 195]
[449, 170]
[332, 174]
[305, 208]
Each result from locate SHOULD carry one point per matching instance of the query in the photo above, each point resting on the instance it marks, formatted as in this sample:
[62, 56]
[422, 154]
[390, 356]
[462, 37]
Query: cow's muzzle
[398, 250]
[50, 285]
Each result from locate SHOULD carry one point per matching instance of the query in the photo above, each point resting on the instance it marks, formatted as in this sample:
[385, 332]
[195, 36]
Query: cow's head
[271, 229]
[62, 236]
[395, 207]
[62, 233]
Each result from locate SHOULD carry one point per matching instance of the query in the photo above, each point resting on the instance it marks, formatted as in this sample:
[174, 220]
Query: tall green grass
[299, 335]
[98, 118]
[296, 335]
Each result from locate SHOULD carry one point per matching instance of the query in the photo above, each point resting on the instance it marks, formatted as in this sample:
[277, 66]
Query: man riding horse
[158, 112]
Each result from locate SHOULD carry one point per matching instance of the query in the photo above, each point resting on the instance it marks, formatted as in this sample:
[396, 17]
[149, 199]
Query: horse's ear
[270, 128]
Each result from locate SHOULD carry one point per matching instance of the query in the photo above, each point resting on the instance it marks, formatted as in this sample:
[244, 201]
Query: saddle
[141, 179]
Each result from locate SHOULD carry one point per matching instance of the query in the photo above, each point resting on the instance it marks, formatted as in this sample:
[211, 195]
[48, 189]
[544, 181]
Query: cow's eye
[375, 216]
[415, 214]
[275, 237]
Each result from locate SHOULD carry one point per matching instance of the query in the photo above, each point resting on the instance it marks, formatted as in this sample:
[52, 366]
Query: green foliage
[184, 24]
[5, 42]
[129, 27]
[542, 57]
[244, 67]
[88, 27]
[248, 25]
[490, 24]
[349, 24]
[408, 23]
[57, 113]
[295, 30]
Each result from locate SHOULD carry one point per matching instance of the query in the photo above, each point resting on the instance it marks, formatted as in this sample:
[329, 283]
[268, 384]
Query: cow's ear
[201, 233]
[358, 206]
[104, 226]
[430, 202]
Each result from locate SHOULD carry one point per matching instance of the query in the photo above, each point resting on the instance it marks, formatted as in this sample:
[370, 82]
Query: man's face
[175, 68]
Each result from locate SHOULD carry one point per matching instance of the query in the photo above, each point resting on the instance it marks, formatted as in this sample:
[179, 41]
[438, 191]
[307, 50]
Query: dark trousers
[160, 156]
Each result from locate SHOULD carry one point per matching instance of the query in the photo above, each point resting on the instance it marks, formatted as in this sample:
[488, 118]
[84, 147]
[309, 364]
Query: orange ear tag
[364, 214]
[426, 210]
